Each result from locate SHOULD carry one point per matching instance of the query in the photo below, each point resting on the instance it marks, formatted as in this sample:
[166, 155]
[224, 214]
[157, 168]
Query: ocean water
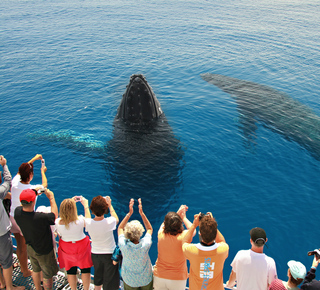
[65, 65]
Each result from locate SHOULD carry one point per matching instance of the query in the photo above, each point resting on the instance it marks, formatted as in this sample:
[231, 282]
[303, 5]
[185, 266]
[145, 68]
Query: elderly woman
[74, 246]
[136, 265]
[101, 230]
[170, 271]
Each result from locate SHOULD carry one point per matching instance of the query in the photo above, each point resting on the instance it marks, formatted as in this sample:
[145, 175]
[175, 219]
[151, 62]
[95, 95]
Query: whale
[143, 158]
[139, 104]
[274, 109]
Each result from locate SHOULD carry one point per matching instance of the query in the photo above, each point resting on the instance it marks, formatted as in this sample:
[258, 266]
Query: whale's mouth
[139, 103]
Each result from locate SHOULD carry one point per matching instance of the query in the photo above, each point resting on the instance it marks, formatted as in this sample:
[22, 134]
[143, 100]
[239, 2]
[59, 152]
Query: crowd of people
[127, 264]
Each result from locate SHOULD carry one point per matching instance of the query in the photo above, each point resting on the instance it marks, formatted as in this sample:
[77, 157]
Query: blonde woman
[136, 268]
[74, 246]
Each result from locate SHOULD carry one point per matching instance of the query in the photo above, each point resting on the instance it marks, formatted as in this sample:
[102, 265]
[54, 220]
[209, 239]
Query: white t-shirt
[101, 234]
[16, 189]
[74, 232]
[253, 270]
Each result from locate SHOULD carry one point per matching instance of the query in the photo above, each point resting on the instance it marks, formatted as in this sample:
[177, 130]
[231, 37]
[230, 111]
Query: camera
[78, 198]
[316, 252]
[201, 216]
[41, 190]
[43, 163]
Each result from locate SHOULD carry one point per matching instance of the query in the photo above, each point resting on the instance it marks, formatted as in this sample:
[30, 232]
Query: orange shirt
[171, 263]
[206, 265]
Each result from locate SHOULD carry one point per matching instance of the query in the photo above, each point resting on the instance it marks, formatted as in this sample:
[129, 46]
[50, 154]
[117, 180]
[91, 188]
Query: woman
[74, 246]
[296, 273]
[136, 268]
[170, 271]
[101, 230]
[20, 182]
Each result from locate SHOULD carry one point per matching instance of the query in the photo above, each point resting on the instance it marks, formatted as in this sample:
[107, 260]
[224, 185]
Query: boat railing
[60, 282]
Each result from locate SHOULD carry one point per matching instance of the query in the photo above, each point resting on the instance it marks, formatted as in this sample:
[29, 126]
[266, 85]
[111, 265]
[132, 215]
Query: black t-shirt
[35, 227]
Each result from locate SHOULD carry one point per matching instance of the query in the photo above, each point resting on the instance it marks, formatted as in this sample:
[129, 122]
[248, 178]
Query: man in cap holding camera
[36, 229]
[252, 269]
[207, 257]
[310, 283]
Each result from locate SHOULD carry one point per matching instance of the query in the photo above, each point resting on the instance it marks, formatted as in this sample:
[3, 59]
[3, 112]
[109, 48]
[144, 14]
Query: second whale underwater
[276, 110]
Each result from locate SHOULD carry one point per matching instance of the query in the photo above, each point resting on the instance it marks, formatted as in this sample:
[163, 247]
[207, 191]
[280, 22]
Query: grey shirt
[5, 224]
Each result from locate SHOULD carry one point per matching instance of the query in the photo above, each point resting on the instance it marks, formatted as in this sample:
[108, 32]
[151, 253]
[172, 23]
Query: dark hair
[99, 206]
[295, 281]
[208, 229]
[172, 224]
[25, 171]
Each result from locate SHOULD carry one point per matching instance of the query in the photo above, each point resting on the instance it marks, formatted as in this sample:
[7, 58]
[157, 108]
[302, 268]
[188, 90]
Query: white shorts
[166, 284]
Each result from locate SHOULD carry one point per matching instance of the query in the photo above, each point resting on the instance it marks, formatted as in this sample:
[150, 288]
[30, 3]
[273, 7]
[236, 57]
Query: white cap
[297, 269]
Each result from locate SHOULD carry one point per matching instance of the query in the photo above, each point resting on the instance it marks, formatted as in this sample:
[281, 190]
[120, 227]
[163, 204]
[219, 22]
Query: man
[296, 273]
[36, 229]
[207, 257]
[252, 269]
[20, 182]
[310, 283]
[6, 248]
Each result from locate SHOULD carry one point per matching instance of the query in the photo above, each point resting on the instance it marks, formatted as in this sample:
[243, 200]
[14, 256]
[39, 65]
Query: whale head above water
[139, 104]
[144, 158]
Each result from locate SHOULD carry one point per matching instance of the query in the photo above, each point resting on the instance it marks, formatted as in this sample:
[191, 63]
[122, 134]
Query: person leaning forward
[35, 227]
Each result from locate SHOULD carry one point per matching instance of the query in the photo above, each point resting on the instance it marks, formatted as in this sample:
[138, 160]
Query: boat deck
[60, 280]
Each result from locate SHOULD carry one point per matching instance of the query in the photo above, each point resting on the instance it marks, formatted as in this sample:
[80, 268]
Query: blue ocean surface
[64, 66]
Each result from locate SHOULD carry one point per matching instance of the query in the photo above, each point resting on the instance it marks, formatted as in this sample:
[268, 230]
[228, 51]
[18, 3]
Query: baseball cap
[258, 236]
[28, 195]
[297, 269]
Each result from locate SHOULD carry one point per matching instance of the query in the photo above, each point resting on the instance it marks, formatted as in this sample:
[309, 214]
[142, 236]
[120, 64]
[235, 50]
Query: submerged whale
[143, 158]
[275, 109]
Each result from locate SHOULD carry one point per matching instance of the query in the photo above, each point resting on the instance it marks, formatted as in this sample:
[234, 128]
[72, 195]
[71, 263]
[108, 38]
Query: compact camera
[316, 252]
[41, 190]
[43, 164]
[78, 198]
[202, 215]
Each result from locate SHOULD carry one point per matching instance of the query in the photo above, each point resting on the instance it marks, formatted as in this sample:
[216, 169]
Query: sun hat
[28, 195]
[258, 236]
[297, 269]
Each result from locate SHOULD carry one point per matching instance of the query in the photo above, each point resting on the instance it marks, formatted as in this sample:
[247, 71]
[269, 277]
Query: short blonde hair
[68, 211]
[133, 231]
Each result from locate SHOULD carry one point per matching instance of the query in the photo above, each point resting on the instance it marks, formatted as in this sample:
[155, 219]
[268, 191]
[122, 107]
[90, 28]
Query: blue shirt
[136, 265]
